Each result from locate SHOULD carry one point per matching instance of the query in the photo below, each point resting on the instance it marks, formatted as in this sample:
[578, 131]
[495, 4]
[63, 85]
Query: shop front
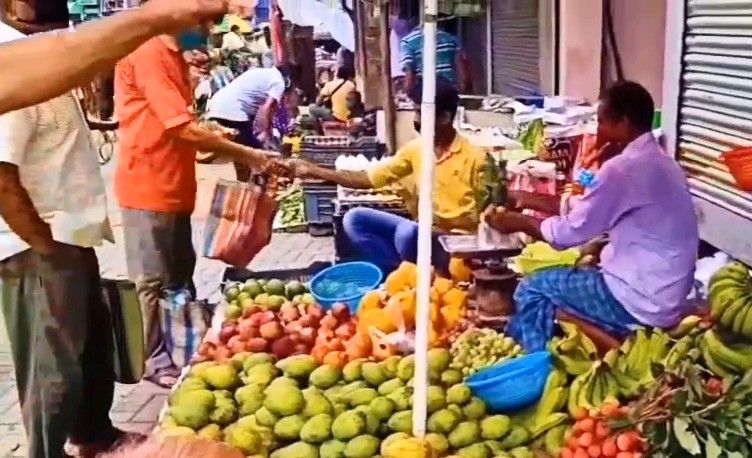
[707, 93]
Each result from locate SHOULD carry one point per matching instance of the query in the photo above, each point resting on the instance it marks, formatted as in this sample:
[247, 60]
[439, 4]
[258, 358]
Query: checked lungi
[578, 291]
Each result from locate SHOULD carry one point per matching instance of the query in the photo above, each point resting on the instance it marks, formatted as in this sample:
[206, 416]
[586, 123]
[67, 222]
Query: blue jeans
[386, 240]
[578, 291]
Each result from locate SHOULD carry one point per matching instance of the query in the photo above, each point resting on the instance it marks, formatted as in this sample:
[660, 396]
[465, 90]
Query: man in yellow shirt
[458, 198]
[331, 104]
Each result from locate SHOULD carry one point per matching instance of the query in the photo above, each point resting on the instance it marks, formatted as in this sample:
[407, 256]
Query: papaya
[371, 300]
[378, 318]
[404, 303]
[405, 277]
[459, 271]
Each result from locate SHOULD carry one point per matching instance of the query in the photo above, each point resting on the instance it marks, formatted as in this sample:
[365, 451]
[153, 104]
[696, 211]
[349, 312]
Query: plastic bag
[537, 177]
[185, 322]
[240, 221]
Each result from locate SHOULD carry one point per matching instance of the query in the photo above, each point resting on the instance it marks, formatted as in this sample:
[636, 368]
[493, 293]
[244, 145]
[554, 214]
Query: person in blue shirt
[450, 64]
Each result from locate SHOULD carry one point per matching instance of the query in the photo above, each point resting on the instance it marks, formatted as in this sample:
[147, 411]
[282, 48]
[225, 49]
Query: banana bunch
[555, 439]
[683, 349]
[632, 368]
[690, 325]
[723, 359]
[730, 297]
[594, 387]
[574, 352]
[547, 420]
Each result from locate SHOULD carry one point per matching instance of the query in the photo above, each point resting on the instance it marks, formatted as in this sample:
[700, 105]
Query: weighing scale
[495, 282]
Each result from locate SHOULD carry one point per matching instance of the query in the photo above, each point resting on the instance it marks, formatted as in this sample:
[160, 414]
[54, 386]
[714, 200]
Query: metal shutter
[515, 42]
[715, 109]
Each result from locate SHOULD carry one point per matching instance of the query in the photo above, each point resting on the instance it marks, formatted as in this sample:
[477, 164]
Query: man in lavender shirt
[641, 201]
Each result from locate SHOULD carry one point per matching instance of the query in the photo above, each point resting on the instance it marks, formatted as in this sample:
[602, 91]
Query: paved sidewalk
[136, 407]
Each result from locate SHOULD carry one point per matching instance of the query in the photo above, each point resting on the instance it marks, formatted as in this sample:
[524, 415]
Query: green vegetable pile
[296, 408]
[291, 211]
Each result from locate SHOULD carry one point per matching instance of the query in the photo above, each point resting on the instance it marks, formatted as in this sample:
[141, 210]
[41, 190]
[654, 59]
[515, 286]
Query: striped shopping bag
[240, 220]
[184, 322]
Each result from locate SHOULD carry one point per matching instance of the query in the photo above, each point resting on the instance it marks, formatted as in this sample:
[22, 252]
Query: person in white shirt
[248, 103]
[233, 39]
[59, 326]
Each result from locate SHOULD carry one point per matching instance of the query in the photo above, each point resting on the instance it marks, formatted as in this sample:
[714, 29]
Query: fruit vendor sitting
[386, 239]
[640, 200]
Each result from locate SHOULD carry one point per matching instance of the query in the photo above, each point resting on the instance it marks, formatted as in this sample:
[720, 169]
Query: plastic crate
[237, 274]
[319, 206]
[324, 149]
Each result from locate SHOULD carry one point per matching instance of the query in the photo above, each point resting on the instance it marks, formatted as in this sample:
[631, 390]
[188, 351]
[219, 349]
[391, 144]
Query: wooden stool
[602, 340]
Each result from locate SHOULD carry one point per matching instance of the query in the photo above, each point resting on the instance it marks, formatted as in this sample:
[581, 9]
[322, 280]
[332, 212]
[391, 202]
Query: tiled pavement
[136, 406]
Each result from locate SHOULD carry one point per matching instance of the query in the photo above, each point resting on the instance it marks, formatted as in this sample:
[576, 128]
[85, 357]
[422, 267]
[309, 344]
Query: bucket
[739, 163]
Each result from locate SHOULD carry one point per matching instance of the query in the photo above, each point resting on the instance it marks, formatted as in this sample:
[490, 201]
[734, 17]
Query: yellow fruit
[459, 271]
[405, 277]
[371, 300]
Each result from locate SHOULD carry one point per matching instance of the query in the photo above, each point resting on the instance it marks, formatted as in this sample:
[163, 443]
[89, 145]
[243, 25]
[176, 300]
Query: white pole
[425, 217]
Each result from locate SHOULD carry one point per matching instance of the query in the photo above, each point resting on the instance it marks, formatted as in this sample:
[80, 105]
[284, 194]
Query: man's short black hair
[345, 72]
[234, 28]
[447, 96]
[630, 100]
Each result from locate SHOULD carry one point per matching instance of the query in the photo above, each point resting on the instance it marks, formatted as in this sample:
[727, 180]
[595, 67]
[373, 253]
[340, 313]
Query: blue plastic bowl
[346, 283]
[512, 385]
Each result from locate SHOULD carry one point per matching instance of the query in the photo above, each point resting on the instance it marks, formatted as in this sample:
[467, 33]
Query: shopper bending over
[641, 201]
[251, 99]
[385, 239]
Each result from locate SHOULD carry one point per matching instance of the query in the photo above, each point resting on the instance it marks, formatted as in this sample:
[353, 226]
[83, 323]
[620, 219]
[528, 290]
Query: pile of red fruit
[290, 331]
[592, 437]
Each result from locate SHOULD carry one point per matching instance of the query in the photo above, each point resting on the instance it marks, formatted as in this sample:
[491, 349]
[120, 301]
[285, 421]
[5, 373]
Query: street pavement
[136, 407]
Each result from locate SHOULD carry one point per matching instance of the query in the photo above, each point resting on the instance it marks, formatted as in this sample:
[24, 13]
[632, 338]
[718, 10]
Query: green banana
[571, 365]
[711, 364]
[686, 326]
[659, 345]
[596, 399]
[554, 439]
[628, 387]
[729, 314]
[741, 317]
[611, 358]
[747, 325]
[721, 284]
[574, 392]
[722, 354]
[549, 402]
[735, 270]
[556, 378]
[678, 352]
[612, 387]
[638, 358]
[586, 393]
[551, 421]
[723, 300]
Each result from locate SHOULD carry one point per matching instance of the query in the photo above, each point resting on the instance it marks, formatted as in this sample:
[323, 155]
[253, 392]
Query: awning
[311, 13]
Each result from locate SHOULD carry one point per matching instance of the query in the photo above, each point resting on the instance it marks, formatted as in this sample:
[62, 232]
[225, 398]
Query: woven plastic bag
[240, 220]
[184, 322]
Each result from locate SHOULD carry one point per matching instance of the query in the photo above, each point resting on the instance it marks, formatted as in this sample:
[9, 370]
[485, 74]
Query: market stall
[414, 364]
[286, 372]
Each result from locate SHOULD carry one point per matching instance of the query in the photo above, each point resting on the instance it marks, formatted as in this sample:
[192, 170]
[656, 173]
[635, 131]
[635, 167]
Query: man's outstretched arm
[42, 67]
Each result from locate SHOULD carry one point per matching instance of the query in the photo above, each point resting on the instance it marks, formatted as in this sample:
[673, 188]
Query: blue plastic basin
[346, 283]
[512, 385]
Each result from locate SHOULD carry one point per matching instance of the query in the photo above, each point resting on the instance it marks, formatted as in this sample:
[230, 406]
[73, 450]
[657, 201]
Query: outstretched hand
[181, 14]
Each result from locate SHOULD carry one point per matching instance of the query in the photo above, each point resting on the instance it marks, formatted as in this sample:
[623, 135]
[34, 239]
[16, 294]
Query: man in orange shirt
[155, 180]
